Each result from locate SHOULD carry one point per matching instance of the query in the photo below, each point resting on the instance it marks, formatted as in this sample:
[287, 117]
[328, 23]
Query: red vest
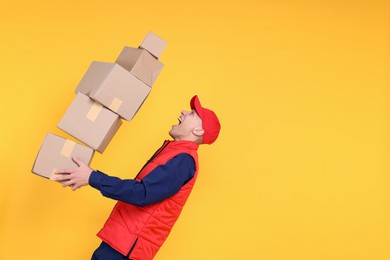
[139, 232]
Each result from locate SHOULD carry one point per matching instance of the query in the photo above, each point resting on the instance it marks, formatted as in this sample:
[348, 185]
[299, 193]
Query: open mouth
[179, 119]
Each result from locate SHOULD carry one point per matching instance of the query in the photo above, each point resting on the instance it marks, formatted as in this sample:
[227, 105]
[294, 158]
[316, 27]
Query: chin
[171, 134]
[174, 135]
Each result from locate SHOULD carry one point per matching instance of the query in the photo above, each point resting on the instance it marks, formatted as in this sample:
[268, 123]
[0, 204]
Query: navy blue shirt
[161, 183]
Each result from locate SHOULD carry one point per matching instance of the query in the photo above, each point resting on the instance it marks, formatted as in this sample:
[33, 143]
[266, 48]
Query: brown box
[153, 44]
[114, 87]
[56, 153]
[90, 122]
[140, 63]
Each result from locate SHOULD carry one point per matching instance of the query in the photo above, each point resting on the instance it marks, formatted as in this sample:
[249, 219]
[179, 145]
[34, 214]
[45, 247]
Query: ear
[198, 132]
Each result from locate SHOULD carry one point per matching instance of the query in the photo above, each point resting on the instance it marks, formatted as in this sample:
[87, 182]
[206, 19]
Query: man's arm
[163, 182]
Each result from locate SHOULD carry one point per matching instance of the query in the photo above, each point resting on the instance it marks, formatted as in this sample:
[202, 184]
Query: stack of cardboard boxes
[107, 93]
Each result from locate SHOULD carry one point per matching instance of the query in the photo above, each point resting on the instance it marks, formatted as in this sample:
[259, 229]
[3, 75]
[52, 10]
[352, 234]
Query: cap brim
[195, 105]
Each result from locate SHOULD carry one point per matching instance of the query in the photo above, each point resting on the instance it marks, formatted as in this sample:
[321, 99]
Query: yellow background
[301, 168]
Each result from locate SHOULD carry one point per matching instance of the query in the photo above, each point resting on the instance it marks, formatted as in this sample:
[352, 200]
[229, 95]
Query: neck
[185, 140]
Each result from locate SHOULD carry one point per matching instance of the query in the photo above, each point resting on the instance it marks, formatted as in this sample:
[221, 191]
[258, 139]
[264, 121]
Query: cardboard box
[114, 87]
[90, 122]
[56, 153]
[141, 64]
[153, 44]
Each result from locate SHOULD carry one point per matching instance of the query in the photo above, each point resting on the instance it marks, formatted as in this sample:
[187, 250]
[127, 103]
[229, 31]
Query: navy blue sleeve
[163, 182]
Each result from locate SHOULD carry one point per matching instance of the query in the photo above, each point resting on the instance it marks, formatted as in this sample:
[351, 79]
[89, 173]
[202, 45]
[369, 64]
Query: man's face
[189, 126]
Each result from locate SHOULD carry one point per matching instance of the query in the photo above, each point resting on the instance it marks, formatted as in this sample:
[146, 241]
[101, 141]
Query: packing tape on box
[94, 111]
[68, 147]
[115, 104]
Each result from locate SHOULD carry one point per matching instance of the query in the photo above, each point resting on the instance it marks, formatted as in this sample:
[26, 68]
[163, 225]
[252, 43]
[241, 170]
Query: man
[149, 205]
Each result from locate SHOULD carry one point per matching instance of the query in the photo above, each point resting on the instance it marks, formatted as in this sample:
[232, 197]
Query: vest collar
[181, 144]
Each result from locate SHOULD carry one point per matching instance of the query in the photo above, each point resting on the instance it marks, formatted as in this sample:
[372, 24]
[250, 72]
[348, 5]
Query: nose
[184, 112]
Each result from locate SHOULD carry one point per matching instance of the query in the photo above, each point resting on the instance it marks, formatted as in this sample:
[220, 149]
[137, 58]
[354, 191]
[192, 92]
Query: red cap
[210, 122]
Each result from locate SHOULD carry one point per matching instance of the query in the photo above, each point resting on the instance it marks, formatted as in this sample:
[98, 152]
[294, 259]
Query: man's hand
[76, 178]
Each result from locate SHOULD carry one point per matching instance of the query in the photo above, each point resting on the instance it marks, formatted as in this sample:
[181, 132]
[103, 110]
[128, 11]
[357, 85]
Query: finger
[62, 177]
[79, 163]
[67, 183]
[75, 187]
[63, 171]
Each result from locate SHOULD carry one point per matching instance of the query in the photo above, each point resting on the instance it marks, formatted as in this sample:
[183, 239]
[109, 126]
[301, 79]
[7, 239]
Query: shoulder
[183, 157]
[183, 160]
